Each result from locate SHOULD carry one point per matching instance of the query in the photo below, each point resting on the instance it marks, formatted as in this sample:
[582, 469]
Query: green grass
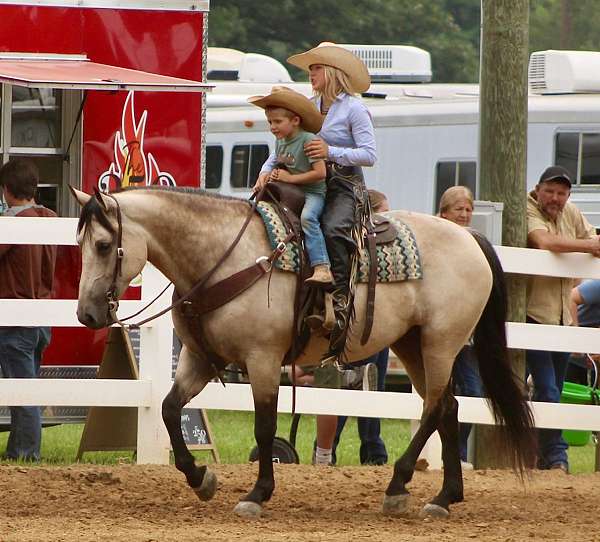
[233, 434]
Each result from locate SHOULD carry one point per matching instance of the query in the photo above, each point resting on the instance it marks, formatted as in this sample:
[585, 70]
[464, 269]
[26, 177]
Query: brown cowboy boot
[321, 275]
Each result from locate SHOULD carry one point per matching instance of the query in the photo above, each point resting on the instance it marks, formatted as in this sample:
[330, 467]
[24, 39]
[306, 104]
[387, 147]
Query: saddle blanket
[397, 261]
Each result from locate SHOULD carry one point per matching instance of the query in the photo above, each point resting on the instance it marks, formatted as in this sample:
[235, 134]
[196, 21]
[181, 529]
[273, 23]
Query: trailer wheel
[283, 452]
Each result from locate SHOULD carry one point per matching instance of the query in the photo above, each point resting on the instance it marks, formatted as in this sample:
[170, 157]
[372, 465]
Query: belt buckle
[264, 262]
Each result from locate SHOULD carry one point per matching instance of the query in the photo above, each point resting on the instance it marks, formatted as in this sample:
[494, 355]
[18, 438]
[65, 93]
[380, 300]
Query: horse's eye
[102, 247]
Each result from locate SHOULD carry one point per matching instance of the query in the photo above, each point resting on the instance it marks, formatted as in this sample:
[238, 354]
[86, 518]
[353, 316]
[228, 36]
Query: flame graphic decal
[130, 166]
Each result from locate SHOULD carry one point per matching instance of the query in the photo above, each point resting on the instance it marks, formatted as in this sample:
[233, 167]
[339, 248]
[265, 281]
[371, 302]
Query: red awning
[79, 74]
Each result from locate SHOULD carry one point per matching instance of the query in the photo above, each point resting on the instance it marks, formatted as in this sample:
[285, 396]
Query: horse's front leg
[264, 379]
[193, 372]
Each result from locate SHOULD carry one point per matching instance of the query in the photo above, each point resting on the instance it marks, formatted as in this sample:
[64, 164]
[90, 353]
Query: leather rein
[213, 296]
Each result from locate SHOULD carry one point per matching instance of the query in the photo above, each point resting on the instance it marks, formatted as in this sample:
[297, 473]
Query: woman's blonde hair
[453, 195]
[336, 81]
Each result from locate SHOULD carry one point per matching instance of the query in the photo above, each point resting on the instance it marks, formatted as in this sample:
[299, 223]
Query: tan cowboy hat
[330, 54]
[310, 118]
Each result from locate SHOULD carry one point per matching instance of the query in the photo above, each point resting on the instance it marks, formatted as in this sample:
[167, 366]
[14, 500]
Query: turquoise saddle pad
[397, 261]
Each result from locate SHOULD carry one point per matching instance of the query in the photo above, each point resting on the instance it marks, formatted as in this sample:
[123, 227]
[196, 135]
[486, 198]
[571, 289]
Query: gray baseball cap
[556, 174]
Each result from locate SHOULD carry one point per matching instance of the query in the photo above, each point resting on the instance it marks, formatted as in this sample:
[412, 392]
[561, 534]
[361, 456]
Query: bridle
[111, 294]
[242, 280]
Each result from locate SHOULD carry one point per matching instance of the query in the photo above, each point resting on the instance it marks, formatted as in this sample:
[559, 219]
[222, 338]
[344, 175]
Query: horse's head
[112, 254]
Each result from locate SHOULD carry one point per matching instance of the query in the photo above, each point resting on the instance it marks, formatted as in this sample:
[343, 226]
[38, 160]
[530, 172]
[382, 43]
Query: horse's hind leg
[191, 377]
[408, 349]
[429, 367]
[264, 379]
[452, 487]
[439, 412]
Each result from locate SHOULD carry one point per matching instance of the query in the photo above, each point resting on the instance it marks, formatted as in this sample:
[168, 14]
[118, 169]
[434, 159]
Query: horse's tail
[503, 388]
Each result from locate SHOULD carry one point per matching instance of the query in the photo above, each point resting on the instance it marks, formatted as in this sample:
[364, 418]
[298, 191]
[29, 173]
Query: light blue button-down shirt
[347, 130]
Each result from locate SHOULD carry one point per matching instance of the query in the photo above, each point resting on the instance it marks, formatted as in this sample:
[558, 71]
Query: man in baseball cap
[555, 224]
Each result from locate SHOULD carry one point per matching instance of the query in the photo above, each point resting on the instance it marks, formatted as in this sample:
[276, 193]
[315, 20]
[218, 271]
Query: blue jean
[311, 226]
[372, 447]
[548, 370]
[467, 382]
[20, 356]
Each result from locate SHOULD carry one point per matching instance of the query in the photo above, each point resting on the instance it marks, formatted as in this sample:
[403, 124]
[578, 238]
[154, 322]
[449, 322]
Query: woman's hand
[317, 149]
[262, 180]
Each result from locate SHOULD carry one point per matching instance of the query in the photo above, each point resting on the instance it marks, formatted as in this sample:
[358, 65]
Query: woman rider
[346, 141]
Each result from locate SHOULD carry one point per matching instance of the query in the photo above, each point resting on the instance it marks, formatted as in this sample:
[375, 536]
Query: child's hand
[281, 175]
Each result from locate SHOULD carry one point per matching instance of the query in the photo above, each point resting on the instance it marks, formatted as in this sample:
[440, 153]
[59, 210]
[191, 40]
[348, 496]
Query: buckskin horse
[426, 322]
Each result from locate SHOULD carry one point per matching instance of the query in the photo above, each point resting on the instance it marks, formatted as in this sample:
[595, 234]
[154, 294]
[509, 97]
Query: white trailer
[427, 134]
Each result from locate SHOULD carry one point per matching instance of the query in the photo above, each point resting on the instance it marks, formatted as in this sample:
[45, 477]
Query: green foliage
[448, 29]
[557, 24]
[287, 27]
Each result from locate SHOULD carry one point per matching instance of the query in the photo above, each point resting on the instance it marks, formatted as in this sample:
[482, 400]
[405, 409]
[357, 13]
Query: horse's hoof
[208, 487]
[395, 505]
[434, 511]
[248, 509]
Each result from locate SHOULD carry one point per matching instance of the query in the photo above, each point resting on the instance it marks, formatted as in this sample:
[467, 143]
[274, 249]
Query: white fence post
[156, 346]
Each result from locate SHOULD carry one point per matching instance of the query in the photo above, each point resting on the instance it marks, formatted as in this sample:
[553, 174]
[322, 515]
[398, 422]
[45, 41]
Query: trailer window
[454, 173]
[214, 166]
[36, 117]
[579, 153]
[33, 121]
[246, 161]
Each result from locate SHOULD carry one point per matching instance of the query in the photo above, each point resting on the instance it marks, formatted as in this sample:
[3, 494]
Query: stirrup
[322, 322]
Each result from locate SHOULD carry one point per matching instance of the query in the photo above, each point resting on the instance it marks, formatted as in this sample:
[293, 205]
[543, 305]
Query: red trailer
[101, 93]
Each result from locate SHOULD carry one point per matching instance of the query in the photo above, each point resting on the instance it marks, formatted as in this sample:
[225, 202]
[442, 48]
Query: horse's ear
[102, 200]
[81, 197]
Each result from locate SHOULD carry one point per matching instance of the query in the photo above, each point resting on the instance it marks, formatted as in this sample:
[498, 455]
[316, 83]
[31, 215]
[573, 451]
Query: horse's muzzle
[92, 318]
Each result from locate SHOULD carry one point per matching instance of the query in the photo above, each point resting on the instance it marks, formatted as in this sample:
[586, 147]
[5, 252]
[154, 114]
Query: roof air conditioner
[562, 72]
[232, 65]
[394, 63]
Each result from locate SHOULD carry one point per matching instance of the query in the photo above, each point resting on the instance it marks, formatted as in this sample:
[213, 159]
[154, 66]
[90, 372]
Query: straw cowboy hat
[310, 118]
[330, 54]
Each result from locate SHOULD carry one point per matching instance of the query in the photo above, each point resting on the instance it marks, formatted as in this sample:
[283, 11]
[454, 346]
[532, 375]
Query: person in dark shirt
[26, 272]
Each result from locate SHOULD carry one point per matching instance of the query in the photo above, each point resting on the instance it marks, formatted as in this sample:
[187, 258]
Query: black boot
[337, 340]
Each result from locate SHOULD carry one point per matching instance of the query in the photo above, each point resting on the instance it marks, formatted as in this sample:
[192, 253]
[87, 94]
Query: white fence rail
[156, 346]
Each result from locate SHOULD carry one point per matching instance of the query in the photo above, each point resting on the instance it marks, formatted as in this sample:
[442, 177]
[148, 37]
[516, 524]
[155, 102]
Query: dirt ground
[152, 503]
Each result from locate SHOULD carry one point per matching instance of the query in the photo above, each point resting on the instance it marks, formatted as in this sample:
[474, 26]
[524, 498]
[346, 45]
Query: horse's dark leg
[396, 495]
[192, 375]
[452, 488]
[265, 387]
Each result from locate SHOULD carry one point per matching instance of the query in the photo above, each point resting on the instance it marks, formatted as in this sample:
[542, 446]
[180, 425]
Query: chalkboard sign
[192, 427]
[196, 431]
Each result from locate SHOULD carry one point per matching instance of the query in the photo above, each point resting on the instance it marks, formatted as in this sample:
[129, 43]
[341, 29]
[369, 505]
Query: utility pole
[503, 152]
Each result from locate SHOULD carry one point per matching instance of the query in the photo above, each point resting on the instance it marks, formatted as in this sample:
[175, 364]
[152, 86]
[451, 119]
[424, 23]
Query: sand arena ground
[152, 503]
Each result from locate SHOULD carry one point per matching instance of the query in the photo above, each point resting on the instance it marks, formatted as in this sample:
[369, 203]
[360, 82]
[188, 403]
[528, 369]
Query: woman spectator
[456, 205]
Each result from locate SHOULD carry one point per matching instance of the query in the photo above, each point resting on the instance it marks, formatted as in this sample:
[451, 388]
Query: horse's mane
[185, 190]
[94, 209]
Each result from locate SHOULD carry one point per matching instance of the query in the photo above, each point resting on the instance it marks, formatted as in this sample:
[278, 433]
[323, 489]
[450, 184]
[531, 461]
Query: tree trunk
[503, 153]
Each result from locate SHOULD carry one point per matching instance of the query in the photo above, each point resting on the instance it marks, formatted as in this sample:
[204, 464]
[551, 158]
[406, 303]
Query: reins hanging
[263, 262]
